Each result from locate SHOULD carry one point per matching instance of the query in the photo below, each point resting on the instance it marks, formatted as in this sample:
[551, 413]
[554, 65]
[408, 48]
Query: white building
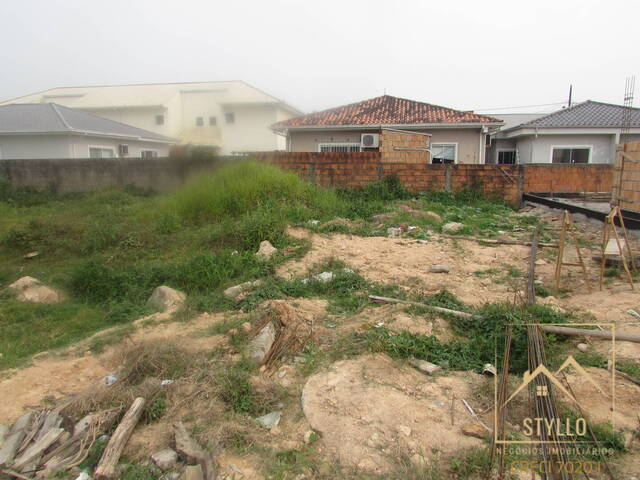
[47, 130]
[233, 116]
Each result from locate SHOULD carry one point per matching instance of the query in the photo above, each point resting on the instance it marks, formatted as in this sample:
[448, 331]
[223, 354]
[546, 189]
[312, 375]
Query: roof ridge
[60, 116]
[557, 112]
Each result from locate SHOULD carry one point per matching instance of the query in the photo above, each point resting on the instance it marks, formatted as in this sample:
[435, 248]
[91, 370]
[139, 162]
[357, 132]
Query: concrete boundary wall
[83, 175]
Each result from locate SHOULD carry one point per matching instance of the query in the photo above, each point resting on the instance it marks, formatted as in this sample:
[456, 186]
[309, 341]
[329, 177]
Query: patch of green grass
[471, 464]
[134, 471]
[223, 326]
[286, 463]
[155, 409]
[237, 391]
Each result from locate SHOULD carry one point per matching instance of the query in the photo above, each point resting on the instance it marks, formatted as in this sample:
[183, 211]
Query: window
[213, 121]
[579, 154]
[101, 152]
[159, 119]
[229, 117]
[148, 153]
[339, 147]
[199, 121]
[444, 152]
[507, 157]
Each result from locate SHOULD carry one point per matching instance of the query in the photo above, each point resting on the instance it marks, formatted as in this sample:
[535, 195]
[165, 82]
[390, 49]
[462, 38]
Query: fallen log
[191, 451]
[106, 469]
[578, 332]
[455, 313]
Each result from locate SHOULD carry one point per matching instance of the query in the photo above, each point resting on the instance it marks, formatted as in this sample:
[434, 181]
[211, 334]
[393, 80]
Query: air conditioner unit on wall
[123, 150]
[370, 140]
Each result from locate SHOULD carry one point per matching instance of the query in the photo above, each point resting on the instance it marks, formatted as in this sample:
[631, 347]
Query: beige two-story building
[451, 136]
[232, 116]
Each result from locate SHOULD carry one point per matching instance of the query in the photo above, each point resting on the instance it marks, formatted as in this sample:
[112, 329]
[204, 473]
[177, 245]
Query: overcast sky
[317, 54]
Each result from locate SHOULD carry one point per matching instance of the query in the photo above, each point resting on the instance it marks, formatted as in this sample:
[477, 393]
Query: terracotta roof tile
[385, 110]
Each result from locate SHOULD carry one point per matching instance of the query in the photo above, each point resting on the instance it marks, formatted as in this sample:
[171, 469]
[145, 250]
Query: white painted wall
[538, 150]
[68, 146]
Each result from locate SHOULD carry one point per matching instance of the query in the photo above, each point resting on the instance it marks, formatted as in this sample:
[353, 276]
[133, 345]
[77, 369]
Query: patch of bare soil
[406, 262]
[366, 407]
[597, 406]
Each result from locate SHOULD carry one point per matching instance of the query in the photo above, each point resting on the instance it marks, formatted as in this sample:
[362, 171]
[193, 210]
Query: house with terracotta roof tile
[452, 136]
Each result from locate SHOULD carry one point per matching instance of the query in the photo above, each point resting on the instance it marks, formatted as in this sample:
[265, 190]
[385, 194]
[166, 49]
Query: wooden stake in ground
[569, 227]
[608, 227]
[106, 469]
[191, 451]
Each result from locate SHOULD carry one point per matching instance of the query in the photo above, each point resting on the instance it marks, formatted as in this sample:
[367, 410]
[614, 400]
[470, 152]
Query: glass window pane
[561, 155]
[580, 155]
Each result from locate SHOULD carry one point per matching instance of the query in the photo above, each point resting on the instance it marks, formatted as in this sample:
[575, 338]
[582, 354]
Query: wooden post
[106, 469]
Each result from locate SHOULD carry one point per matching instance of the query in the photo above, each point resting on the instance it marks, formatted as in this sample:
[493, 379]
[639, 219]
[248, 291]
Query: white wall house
[587, 132]
[232, 116]
[47, 130]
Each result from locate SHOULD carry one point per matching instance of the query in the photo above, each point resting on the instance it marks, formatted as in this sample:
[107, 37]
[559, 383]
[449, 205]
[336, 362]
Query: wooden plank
[455, 313]
[191, 451]
[36, 449]
[14, 439]
[578, 332]
[106, 469]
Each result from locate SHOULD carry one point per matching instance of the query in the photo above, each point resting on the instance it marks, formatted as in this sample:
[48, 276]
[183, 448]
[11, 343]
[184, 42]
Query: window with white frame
[507, 156]
[444, 152]
[339, 147]
[570, 154]
[101, 152]
[148, 153]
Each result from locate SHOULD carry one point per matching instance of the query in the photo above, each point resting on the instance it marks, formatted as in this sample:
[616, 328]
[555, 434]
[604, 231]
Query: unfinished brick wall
[506, 181]
[398, 146]
[567, 178]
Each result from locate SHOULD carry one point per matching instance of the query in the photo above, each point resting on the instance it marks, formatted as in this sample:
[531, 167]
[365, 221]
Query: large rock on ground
[165, 459]
[377, 403]
[452, 227]
[237, 290]
[166, 298]
[29, 289]
[266, 250]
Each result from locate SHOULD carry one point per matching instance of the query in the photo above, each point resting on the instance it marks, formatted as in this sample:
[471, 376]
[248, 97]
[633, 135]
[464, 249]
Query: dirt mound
[406, 262]
[367, 407]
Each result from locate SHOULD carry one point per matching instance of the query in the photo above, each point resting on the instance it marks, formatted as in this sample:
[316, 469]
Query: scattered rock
[31, 290]
[418, 460]
[583, 347]
[166, 298]
[237, 290]
[540, 261]
[452, 227]
[310, 436]
[165, 459]
[270, 420]
[266, 250]
[424, 366]
[439, 268]
[406, 431]
[31, 255]
[246, 326]
[110, 378]
[475, 430]
[427, 215]
[260, 345]
[393, 232]
[489, 369]
[166, 383]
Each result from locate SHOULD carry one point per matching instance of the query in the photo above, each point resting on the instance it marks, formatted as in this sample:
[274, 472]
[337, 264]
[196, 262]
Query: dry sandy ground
[406, 262]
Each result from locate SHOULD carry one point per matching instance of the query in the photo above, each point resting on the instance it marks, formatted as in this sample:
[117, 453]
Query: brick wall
[567, 178]
[505, 181]
[397, 146]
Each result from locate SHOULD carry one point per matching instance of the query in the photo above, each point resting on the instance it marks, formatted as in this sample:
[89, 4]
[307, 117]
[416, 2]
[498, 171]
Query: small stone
[282, 373]
[237, 290]
[232, 332]
[270, 420]
[475, 430]
[165, 459]
[166, 383]
[110, 378]
[439, 268]
[452, 227]
[310, 436]
[424, 366]
[266, 250]
[406, 431]
[166, 298]
[246, 326]
[393, 232]
[583, 347]
[489, 369]
[540, 262]
[192, 472]
[260, 345]
[31, 255]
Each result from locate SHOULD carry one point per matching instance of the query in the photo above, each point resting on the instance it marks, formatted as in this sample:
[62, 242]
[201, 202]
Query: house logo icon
[542, 372]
